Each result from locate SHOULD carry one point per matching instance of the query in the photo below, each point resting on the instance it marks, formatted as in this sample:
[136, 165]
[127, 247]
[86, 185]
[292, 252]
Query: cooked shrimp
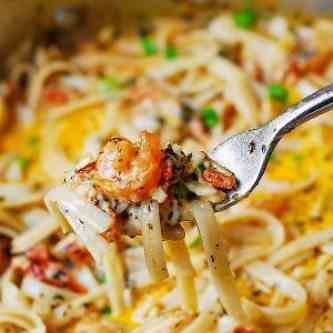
[130, 171]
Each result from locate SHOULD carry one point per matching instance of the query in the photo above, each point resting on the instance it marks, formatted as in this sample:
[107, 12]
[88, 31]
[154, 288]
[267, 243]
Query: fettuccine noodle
[107, 194]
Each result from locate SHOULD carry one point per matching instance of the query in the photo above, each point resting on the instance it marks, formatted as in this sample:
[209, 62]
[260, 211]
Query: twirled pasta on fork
[140, 188]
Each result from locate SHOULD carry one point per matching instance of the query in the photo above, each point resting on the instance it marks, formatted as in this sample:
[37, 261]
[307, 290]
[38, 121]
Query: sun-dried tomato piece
[4, 254]
[88, 168]
[219, 179]
[319, 63]
[78, 254]
[49, 270]
[54, 95]
[38, 253]
[167, 174]
[112, 234]
[243, 330]
[229, 116]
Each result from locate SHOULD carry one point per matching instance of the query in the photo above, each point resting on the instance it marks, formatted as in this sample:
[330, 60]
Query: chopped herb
[107, 84]
[187, 112]
[148, 45]
[209, 117]
[58, 297]
[199, 170]
[180, 191]
[245, 18]
[256, 293]
[201, 167]
[298, 157]
[22, 162]
[222, 53]
[101, 278]
[171, 52]
[106, 310]
[33, 141]
[278, 92]
[129, 82]
[196, 242]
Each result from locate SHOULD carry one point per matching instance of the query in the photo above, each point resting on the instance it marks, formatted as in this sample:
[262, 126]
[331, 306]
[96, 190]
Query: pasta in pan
[106, 194]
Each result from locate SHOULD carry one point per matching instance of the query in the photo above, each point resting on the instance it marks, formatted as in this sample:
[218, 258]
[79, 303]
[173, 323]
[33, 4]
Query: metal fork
[246, 154]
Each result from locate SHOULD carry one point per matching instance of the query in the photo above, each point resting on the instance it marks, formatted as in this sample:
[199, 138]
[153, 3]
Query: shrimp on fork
[130, 171]
[136, 189]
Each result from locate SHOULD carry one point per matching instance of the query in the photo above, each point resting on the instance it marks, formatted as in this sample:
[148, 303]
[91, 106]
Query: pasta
[107, 194]
[185, 274]
[22, 319]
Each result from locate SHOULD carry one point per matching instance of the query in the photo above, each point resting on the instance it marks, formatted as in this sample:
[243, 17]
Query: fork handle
[310, 107]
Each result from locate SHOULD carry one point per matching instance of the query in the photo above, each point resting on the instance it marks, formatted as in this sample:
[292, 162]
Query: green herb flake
[278, 92]
[180, 191]
[108, 84]
[196, 242]
[171, 52]
[22, 162]
[209, 117]
[298, 157]
[106, 310]
[148, 45]
[33, 141]
[201, 167]
[101, 278]
[245, 18]
[58, 297]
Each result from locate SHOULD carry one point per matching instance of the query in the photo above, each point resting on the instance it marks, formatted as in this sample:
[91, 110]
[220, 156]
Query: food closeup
[107, 194]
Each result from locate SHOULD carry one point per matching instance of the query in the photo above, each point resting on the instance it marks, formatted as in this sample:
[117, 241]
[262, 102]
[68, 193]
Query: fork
[246, 154]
